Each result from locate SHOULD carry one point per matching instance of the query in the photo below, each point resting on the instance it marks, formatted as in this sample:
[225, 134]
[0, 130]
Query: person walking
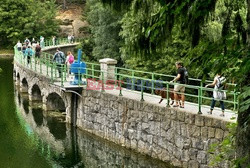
[180, 79]
[19, 45]
[53, 40]
[59, 59]
[29, 54]
[69, 60]
[42, 42]
[38, 51]
[218, 93]
[27, 41]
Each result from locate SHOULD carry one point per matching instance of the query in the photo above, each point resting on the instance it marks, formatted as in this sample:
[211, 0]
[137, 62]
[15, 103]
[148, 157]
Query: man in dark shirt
[180, 79]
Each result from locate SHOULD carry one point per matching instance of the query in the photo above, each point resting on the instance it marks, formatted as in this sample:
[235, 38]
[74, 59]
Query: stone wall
[160, 132]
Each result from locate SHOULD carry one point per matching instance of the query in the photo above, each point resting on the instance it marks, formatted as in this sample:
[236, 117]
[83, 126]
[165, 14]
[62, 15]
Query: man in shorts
[179, 79]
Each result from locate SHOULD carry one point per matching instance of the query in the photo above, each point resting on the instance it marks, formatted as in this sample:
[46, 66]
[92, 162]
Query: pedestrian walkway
[46, 69]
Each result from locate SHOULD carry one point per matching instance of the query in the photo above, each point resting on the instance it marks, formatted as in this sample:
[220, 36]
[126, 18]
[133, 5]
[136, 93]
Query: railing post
[142, 85]
[102, 81]
[152, 87]
[120, 85]
[92, 71]
[133, 80]
[116, 76]
[78, 76]
[40, 63]
[35, 63]
[235, 99]
[51, 71]
[167, 92]
[201, 83]
[199, 100]
[47, 64]
[61, 69]
[65, 70]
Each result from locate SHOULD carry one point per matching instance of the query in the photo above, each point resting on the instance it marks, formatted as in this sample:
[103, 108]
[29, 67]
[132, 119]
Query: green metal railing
[140, 82]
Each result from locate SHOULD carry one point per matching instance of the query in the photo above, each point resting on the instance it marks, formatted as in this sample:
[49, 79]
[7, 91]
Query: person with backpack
[59, 59]
[218, 93]
[69, 60]
[181, 78]
[29, 53]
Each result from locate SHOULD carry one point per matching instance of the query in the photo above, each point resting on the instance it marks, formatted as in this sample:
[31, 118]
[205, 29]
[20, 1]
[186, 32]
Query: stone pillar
[108, 68]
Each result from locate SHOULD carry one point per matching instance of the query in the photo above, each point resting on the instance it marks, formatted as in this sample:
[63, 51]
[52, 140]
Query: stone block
[204, 133]
[216, 123]
[202, 157]
[219, 133]
[183, 128]
[179, 141]
[199, 120]
[185, 156]
[165, 156]
[180, 116]
[173, 114]
[189, 118]
[165, 124]
[211, 132]
[193, 164]
[193, 131]
[197, 143]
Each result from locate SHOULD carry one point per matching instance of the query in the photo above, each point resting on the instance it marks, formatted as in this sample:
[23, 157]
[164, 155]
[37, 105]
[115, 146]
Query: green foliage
[224, 152]
[104, 29]
[26, 18]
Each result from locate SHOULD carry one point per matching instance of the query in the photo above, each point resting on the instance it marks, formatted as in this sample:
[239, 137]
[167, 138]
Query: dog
[163, 95]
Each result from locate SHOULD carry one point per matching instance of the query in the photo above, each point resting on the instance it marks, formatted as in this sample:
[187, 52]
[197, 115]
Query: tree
[150, 25]
[26, 18]
[104, 28]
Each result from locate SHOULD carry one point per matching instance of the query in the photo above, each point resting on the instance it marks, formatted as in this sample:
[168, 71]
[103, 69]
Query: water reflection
[38, 116]
[66, 146]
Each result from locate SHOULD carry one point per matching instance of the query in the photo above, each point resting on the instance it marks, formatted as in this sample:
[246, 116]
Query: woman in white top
[218, 94]
[19, 45]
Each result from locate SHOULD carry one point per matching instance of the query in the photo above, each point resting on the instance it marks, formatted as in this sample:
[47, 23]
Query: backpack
[71, 59]
[221, 82]
[60, 54]
[186, 76]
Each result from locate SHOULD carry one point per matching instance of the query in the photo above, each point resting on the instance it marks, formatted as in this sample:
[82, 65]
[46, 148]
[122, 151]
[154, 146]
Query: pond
[31, 136]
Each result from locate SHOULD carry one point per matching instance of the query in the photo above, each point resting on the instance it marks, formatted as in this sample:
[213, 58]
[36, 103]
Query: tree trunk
[64, 4]
[243, 128]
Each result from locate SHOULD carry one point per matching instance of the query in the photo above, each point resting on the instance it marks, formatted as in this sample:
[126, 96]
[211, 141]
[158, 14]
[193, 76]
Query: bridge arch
[36, 93]
[55, 102]
[24, 85]
[18, 76]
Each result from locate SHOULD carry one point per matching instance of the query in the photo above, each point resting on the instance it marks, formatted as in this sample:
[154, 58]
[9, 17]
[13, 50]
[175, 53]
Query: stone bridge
[179, 136]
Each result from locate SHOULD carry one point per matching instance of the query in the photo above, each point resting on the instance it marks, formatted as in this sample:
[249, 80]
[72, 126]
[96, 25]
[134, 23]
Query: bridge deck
[136, 95]
[154, 99]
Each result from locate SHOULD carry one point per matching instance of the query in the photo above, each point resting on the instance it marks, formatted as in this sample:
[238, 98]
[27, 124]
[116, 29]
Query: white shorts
[179, 88]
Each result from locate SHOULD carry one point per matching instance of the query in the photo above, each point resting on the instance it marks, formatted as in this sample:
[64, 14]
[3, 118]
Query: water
[30, 136]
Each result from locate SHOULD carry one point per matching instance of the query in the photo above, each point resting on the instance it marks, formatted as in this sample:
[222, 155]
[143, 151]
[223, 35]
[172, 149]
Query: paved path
[136, 95]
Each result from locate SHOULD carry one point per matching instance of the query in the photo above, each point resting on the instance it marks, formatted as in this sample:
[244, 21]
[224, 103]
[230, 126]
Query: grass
[6, 51]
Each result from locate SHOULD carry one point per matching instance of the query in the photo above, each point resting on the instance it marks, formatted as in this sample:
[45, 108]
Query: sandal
[175, 105]
[222, 115]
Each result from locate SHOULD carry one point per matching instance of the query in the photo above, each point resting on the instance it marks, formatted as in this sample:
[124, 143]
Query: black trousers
[59, 68]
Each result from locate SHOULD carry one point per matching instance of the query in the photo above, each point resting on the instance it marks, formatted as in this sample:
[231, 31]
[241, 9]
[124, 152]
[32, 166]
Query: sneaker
[176, 105]
[209, 112]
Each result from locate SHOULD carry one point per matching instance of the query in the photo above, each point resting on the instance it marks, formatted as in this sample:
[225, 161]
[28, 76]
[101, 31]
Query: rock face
[71, 21]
